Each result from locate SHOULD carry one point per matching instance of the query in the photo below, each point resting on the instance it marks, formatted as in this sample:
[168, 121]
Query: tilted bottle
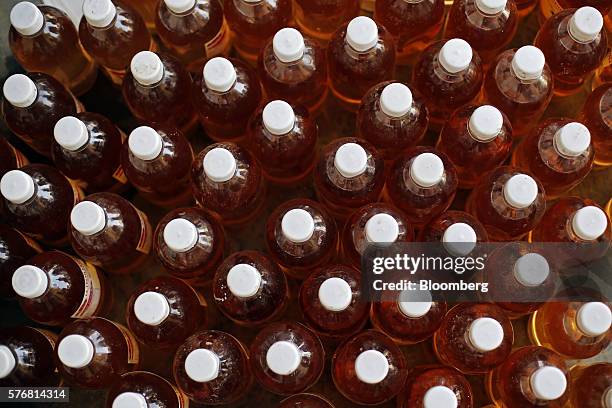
[436, 387]
[15, 250]
[596, 114]
[143, 389]
[591, 385]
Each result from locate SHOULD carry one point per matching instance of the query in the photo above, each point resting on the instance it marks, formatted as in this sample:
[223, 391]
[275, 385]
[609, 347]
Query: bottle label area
[549, 8]
[220, 44]
[146, 235]
[133, 351]
[92, 290]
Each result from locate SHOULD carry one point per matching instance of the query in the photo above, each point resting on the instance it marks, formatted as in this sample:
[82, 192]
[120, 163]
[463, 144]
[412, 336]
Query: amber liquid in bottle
[10, 157]
[147, 389]
[459, 232]
[15, 250]
[596, 114]
[305, 400]
[147, 10]
[548, 8]
[591, 385]
[440, 387]
[320, 18]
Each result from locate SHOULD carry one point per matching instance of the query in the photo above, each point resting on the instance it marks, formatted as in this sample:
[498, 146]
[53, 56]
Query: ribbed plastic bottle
[15, 250]
[591, 385]
[305, 400]
[436, 387]
[460, 233]
[10, 157]
[320, 18]
[596, 114]
[143, 389]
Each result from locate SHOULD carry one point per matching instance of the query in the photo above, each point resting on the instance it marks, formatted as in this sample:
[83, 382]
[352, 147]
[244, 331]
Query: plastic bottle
[184, 26]
[147, 10]
[86, 147]
[369, 368]
[360, 55]
[112, 33]
[436, 387]
[227, 180]
[392, 118]
[320, 18]
[422, 182]
[293, 68]
[520, 84]
[459, 233]
[306, 401]
[37, 201]
[249, 288]
[108, 231]
[157, 161]
[212, 367]
[31, 106]
[283, 138]
[603, 74]
[349, 174]
[476, 139]
[26, 358]
[287, 358]
[508, 202]
[143, 389]
[301, 236]
[44, 39]
[157, 89]
[591, 385]
[596, 114]
[574, 44]
[15, 250]
[93, 353]
[164, 311]
[10, 157]
[225, 97]
[474, 338]
[449, 75]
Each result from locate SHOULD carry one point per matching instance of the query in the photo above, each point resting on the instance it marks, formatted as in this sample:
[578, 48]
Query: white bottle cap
[548, 383]
[180, 235]
[594, 318]
[88, 218]
[586, 24]
[396, 100]
[362, 33]
[459, 239]
[440, 397]
[528, 62]
[288, 45]
[427, 170]
[283, 357]
[486, 123]
[180, 6]
[243, 280]
[219, 74]
[70, 133]
[29, 281]
[26, 18]
[7, 361]
[75, 351]
[520, 191]
[415, 303]
[531, 269]
[371, 366]
[491, 7]
[99, 13]
[202, 365]
[20, 91]
[151, 308]
[278, 117]
[608, 399]
[589, 223]
[381, 228]
[455, 55]
[130, 400]
[572, 139]
[17, 186]
[351, 160]
[147, 68]
[486, 334]
[335, 294]
[145, 143]
[297, 225]
[219, 165]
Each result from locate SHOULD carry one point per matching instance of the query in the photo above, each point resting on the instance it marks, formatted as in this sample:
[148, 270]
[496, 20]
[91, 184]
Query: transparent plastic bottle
[44, 39]
[147, 10]
[520, 84]
[459, 232]
[164, 311]
[212, 367]
[393, 118]
[301, 236]
[112, 33]
[532, 377]
[86, 147]
[227, 180]
[293, 68]
[283, 138]
[93, 353]
[436, 387]
[320, 18]
[225, 97]
[10, 157]
[476, 139]
[108, 231]
[305, 400]
[422, 183]
[185, 25]
[332, 303]
[37, 201]
[31, 106]
[596, 114]
[508, 202]
[360, 55]
[15, 250]
[287, 358]
[449, 75]
[143, 389]
[591, 385]
[249, 288]
[349, 174]
[157, 161]
[253, 22]
[575, 44]
[369, 368]
[474, 338]
[26, 358]
[603, 74]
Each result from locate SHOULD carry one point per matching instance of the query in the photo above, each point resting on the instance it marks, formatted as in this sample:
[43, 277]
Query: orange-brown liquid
[434, 230]
[589, 384]
[157, 391]
[525, 7]
[10, 157]
[305, 401]
[596, 114]
[320, 18]
[549, 8]
[147, 10]
[15, 250]
[421, 381]
[604, 73]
